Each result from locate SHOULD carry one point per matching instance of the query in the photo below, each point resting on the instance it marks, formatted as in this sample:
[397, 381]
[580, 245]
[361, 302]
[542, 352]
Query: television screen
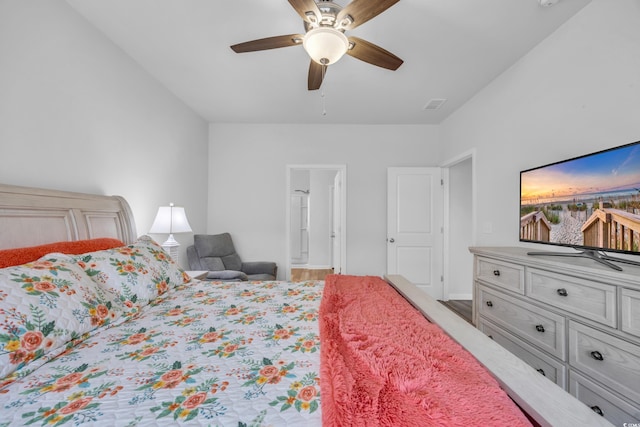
[590, 202]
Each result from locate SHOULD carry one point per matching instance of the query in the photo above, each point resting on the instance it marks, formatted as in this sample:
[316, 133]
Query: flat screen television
[590, 203]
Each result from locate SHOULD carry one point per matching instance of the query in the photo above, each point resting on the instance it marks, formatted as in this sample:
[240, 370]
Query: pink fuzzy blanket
[384, 364]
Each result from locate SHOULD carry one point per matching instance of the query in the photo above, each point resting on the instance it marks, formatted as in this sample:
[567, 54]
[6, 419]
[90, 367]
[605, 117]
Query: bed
[98, 326]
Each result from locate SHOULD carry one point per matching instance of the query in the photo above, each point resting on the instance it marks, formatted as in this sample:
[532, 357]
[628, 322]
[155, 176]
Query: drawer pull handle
[496, 272]
[540, 328]
[597, 355]
[489, 304]
[597, 410]
[562, 292]
[541, 371]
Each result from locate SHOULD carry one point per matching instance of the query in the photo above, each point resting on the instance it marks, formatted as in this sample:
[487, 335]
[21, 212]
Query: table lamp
[170, 219]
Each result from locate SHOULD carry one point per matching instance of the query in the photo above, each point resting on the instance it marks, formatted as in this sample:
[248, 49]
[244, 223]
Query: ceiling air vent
[434, 104]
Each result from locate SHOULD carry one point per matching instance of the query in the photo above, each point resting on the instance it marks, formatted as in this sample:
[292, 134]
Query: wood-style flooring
[302, 274]
[461, 307]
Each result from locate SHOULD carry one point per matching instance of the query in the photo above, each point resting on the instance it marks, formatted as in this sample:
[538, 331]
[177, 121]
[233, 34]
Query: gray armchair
[215, 253]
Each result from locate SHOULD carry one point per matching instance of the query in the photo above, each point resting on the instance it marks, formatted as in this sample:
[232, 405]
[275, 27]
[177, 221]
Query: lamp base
[171, 247]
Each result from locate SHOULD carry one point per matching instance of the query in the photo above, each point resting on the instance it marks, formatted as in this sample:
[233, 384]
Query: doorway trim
[470, 154]
[340, 168]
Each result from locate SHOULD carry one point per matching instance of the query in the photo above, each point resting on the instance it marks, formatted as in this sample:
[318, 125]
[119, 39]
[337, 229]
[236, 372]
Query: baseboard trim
[310, 267]
[461, 296]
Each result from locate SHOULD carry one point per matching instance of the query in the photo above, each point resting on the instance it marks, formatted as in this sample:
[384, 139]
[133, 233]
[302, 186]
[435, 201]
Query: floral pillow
[137, 273]
[45, 304]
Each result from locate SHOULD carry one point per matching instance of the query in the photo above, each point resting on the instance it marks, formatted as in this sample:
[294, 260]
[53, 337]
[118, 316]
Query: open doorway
[460, 226]
[316, 221]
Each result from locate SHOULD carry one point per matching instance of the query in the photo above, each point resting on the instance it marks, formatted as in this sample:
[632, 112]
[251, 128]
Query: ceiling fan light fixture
[325, 45]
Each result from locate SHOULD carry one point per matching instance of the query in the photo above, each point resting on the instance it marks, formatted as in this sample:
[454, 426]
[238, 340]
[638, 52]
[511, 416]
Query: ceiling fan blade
[375, 55]
[363, 10]
[316, 75]
[304, 6]
[268, 43]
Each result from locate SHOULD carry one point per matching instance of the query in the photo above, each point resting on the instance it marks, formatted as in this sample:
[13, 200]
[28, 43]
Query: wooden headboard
[34, 216]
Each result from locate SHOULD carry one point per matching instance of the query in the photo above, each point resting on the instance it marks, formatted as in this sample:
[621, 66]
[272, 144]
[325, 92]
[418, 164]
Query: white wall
[247, 182]
[78, 114]
[575, 93]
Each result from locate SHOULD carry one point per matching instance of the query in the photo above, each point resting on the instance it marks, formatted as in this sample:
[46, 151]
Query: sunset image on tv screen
[591, 201]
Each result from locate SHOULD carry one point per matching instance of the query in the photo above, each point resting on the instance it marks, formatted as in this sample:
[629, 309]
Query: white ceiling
[451, 49]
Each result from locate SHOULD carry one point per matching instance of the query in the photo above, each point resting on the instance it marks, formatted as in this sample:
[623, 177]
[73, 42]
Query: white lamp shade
[170, 219]
[325, 45]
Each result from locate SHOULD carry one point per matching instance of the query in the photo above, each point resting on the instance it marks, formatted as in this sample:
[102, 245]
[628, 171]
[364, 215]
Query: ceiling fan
[324, 40]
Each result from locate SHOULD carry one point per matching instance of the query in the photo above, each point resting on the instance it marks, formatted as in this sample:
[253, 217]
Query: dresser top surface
[567, 263]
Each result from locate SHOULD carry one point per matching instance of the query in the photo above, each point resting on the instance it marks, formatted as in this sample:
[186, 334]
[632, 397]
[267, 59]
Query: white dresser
[574, 320]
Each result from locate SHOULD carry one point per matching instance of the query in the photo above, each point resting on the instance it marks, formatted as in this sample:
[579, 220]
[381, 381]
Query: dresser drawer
[610, 360]
[503, 274]
[592, 300]
[544, 364]
[631, 312]
[536, 325]
[616, 410]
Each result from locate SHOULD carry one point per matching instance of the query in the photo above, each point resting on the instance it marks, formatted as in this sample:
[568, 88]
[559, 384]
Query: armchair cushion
[227, 275]
[259, 267]
[217, 254]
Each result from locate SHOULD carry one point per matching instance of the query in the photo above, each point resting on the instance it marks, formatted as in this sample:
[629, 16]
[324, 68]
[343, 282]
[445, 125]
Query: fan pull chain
[324, 106]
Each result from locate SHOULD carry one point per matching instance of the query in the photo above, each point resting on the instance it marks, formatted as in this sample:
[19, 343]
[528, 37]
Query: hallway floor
[302, 274]
[461, 307]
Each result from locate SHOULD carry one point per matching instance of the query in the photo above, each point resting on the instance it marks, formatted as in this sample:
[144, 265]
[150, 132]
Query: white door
[336, 221]
[414, 226]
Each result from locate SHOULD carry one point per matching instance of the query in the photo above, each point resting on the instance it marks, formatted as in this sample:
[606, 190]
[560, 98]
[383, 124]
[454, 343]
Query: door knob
[391, 240]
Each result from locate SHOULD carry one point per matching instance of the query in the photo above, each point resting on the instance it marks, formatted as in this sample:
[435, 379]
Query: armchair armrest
[193, 259]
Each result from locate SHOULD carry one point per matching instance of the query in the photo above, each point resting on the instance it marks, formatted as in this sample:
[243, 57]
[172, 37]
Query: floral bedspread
[204, 353]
